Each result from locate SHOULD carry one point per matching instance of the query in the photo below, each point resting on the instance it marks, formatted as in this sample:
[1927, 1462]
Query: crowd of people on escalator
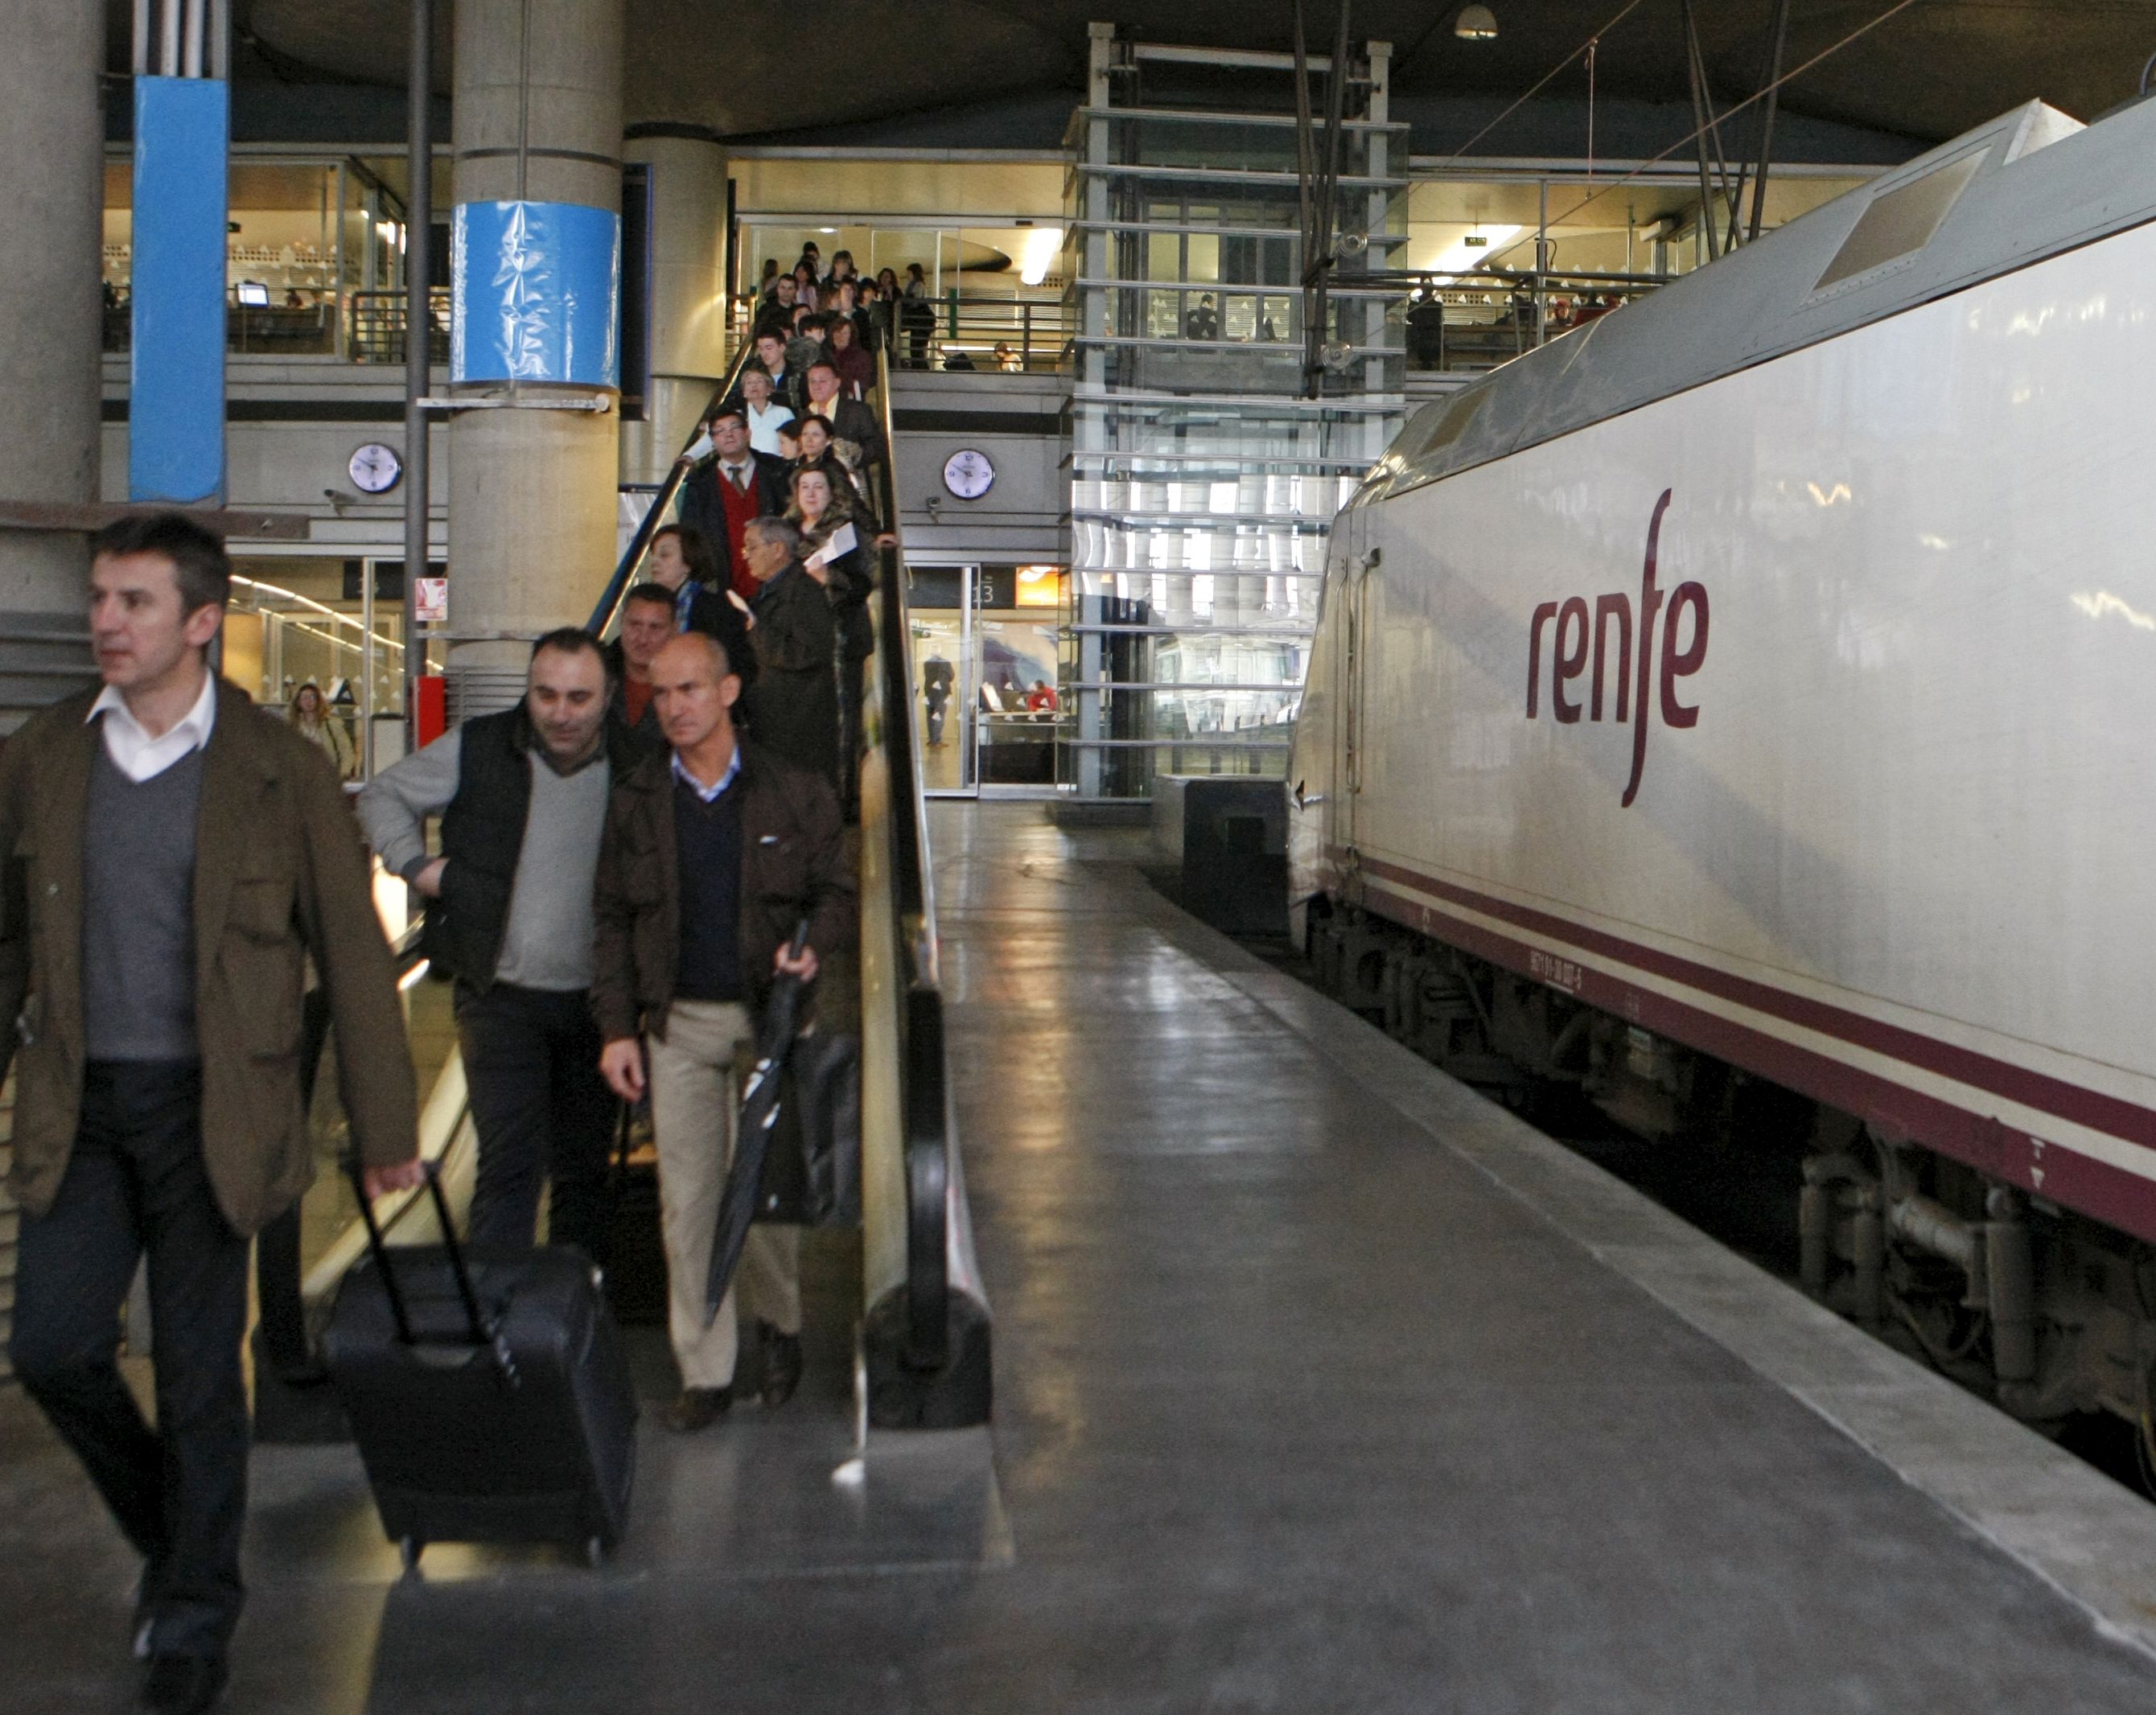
[629, 861]
[749, 622]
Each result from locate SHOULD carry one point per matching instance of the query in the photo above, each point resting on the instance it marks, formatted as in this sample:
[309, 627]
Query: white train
[1755, 691]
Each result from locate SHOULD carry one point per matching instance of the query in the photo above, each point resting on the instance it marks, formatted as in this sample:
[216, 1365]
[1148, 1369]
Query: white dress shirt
[763, 426]
[134, 752]
[708, 793]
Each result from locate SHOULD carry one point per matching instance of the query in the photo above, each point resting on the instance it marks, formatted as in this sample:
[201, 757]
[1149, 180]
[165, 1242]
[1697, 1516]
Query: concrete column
[688, 297]
[52, 140]
[532, 492]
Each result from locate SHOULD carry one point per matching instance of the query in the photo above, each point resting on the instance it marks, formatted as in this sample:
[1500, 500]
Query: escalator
[923, 1356]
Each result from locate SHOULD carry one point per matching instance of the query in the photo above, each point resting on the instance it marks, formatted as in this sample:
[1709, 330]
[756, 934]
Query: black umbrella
[759, 1115]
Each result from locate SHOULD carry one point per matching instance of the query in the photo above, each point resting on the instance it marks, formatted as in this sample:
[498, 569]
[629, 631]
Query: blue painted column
[535, 366]
[176, 404]
[535, 294]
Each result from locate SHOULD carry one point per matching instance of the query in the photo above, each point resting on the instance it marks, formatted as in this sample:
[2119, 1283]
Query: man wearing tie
[739, 483]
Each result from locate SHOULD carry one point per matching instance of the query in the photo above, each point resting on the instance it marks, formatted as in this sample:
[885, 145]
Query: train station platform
[1323, 1385]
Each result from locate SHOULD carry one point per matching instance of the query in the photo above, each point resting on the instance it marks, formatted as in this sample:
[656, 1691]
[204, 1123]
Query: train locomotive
[1743, 710]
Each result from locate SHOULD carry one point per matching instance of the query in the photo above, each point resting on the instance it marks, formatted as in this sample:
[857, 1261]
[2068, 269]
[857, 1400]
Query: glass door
[946, 677]
[1016, 709]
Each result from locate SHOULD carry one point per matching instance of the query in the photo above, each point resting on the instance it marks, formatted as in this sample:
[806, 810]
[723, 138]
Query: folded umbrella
[753, 1132]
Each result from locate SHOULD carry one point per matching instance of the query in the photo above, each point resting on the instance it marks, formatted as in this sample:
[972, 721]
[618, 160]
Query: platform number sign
[968, 474]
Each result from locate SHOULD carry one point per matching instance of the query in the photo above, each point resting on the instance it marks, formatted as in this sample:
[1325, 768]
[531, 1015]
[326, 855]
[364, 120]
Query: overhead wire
[1630, 6]
[1761, 95]
[1747, 102]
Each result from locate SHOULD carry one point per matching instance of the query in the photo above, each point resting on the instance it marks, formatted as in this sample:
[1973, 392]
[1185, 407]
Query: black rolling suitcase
[488, 1391]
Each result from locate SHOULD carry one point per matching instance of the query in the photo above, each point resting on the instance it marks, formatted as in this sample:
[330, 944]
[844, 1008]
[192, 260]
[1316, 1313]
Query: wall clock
[968, 475]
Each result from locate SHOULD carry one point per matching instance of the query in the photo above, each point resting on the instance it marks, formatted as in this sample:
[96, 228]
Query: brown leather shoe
[697, 1408]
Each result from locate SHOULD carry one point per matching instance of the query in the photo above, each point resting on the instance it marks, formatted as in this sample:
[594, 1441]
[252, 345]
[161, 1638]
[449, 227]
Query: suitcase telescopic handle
[398, 1310]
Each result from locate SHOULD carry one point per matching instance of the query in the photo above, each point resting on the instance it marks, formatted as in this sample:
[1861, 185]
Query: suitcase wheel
[409, 1550]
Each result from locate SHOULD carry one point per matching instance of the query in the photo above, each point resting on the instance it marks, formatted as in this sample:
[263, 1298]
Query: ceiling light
[1475, 23]
[1037, 254]
[1474, 250]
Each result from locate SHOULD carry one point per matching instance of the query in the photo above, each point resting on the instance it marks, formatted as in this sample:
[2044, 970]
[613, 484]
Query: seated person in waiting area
[713, 853]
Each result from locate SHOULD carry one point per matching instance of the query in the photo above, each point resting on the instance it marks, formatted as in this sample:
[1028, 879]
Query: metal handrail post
[419, 350]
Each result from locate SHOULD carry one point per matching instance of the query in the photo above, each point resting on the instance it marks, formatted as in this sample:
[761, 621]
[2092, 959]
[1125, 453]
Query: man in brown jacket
[173, 857]
[713, 854]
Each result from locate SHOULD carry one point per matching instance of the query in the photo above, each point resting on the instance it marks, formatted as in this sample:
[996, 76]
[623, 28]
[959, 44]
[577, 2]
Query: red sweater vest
[739, 508]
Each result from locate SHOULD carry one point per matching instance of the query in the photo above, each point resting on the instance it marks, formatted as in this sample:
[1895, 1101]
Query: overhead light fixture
[1472, 250]
[1475, 23]
[1037, 254]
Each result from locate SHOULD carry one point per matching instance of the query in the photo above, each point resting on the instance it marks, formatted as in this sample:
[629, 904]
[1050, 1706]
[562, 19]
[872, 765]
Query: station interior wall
[314, 220]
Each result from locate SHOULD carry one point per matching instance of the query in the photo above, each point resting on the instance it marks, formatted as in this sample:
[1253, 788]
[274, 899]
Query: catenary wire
[1631, 7]
[1693, 136]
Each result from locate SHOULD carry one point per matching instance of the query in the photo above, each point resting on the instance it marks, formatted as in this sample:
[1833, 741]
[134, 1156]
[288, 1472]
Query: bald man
[713, 853]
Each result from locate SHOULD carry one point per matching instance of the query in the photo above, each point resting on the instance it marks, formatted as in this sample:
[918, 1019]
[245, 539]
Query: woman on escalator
[844, 352]
[834, 552]
[840, 460]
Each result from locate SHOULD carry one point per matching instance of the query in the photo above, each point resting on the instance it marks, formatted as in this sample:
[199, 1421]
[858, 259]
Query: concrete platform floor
[1323, 1386]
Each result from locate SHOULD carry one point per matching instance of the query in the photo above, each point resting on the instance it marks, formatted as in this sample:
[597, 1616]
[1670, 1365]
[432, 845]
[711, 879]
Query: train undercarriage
[2049, 1314]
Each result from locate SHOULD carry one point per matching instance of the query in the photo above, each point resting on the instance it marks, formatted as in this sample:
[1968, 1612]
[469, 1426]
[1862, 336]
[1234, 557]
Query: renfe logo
[1569, 652]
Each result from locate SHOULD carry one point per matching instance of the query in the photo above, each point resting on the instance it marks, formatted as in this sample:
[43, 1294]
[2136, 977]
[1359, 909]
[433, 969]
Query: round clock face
[375, 468]
[968, 474]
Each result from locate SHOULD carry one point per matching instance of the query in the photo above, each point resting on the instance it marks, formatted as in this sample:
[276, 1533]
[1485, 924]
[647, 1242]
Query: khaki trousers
[694, 1100]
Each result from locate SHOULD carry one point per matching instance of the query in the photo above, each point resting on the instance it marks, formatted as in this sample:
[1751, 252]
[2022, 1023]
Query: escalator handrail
[916, 888]
[923, 1086]
[624, 575]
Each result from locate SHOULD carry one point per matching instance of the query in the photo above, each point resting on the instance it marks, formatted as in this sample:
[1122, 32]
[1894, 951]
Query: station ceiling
[746, 67]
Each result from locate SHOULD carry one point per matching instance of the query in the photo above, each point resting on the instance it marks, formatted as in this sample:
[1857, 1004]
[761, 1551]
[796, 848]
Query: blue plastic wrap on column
[534, 293]
[176, 403]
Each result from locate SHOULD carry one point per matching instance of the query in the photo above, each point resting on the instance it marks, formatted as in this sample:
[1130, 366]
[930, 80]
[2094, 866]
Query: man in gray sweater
[175, 860]
[522, 798]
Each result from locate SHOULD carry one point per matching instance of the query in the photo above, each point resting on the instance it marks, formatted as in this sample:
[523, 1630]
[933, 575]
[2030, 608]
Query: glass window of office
[314, 259]
[1519, 259]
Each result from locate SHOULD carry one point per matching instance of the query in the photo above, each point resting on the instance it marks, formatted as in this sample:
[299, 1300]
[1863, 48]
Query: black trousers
[543, 1113]
[136, 1181]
